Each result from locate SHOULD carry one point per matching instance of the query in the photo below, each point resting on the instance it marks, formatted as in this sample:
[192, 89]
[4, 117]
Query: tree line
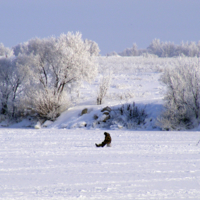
[163, 49]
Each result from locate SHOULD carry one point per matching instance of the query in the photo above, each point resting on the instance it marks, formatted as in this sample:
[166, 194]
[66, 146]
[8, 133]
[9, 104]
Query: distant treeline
[163, 49]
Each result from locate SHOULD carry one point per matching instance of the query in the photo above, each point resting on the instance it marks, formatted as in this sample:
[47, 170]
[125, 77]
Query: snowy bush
[103, 87]
[47, 105]
[182, 100]
[128, 115]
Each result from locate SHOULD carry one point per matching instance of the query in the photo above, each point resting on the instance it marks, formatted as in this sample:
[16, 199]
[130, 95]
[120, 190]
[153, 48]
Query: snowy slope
[134, 79]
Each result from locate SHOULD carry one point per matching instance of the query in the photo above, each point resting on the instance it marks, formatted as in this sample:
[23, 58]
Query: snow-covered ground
[60, 161]
[65, 164]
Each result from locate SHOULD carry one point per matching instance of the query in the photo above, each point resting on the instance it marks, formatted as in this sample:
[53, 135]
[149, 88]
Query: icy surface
[65, 164]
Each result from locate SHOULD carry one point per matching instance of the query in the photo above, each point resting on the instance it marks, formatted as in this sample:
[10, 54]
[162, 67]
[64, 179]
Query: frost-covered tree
[182, 100]
[198, 46]
[130, 51]
[12, 77]
[155, 47]
[168, 49]
[55, 65]
[5, 84]
[94, 48]
[17, 49]
[112, 54]
[5, 51]
[134, 50]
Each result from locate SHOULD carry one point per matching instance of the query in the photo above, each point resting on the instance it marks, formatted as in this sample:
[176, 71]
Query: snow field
[65, 164]
[60, 160]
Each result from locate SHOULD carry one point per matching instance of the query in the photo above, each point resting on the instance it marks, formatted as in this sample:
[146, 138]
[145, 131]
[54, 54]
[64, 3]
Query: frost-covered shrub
[182, 100]
[47, 105]
[103, 87]
[129, 115]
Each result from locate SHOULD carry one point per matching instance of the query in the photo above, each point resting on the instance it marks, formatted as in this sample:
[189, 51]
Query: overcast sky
[113, 24]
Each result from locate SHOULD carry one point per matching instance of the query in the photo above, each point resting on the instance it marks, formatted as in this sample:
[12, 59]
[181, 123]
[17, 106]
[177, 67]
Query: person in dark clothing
[107, 140]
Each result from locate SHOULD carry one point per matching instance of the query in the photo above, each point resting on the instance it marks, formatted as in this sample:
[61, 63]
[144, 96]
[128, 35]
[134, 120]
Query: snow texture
[59, 160]
[65, 164]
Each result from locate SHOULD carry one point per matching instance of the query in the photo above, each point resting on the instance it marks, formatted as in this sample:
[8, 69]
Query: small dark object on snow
[106, 109]
[107, 141]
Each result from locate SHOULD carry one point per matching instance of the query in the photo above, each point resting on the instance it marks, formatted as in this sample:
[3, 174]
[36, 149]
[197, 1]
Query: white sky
[113, 24]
